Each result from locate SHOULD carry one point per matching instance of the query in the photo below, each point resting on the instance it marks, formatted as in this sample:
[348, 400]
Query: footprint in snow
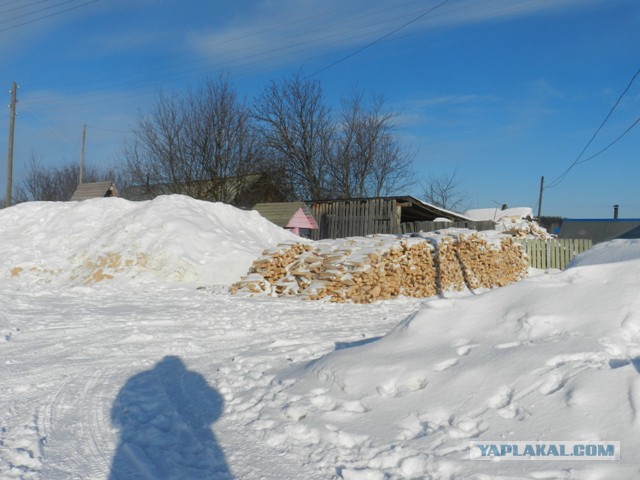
[553, 383]
[445, 364]
[403, 386]
[504, 405]
[501, 399]
[466, 427]
[504, 346]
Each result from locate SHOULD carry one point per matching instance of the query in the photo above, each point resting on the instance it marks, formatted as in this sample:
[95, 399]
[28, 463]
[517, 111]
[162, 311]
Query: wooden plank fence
[553, 253]
[355, 218]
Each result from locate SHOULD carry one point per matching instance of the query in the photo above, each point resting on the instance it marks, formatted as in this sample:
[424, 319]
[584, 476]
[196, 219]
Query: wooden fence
[355, 218]
[553, 253]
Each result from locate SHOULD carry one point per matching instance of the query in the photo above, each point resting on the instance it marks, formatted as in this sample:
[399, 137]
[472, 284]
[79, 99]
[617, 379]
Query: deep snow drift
[555, 357]
[144, 373]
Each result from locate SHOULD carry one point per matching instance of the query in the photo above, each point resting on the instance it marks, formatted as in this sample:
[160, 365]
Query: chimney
[615, 212]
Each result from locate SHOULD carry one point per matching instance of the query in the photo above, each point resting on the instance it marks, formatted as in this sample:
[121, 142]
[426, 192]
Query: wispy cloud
[447, 110]
[281, 31]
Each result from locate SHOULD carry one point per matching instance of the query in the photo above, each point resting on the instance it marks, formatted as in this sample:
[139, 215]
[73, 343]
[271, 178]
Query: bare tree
[369, 160]
[444, 191]
[297, 133]
[201, 144]
[57, 183]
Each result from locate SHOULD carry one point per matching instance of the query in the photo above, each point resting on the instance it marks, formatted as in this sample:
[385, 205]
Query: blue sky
[501, 92]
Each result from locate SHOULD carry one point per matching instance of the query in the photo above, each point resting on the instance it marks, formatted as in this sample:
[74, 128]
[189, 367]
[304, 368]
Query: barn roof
[281, 213]
[86, 191]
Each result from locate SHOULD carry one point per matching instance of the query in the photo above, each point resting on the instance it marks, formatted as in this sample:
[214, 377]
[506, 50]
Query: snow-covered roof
[495, 214]
[86, 191]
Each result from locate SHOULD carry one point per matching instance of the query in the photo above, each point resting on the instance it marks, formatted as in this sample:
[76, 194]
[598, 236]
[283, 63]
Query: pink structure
[301, 220]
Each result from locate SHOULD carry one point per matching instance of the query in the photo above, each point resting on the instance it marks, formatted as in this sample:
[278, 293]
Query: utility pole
[84, 136]
[12, 121]
[540, 199]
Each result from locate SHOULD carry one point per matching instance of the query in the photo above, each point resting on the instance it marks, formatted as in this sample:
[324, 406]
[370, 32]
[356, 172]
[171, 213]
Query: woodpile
[487, 265]
[522, 228]
[379, 267]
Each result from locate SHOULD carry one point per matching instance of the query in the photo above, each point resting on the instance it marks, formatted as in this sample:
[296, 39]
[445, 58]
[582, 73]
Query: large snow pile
[554, 357]
[175, 238]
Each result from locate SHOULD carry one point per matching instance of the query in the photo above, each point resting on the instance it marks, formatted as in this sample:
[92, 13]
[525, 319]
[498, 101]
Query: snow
[143, 375]
[513, 221]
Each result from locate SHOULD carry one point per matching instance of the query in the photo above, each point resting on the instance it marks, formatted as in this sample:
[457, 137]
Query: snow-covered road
[67, 353]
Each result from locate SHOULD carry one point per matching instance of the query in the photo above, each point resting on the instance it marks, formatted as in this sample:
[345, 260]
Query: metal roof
[94, 190]
[600, 230]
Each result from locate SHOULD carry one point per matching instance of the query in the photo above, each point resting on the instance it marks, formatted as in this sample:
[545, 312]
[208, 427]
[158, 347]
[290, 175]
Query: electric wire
[143, 78]
[578, 160]
[618, 138]
[246, 65]
[21, 7]
[379, 39]
[50, 15]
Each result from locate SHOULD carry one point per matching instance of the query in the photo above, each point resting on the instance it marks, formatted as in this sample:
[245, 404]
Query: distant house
[600, 230]
[242, 191]
[86, 191]
[294, 216]
[401, 214]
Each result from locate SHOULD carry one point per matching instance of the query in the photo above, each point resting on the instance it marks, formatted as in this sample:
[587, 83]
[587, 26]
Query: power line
[291, 48]
[46, 124]
[577, 161]
[147, 81]
[108, 129]
[284, 46]
[44, 17]
[612, 143]
[21, 7]
[380, 39]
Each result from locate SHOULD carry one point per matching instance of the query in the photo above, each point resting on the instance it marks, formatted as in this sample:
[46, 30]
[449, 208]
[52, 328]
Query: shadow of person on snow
[164, 416]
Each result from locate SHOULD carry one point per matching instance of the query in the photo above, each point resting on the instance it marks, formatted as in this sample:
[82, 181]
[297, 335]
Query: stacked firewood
[522, 228]
[378, 267]
[491, 264]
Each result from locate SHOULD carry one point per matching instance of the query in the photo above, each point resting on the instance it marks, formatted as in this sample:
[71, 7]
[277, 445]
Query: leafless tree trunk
[370, 160]
[200, 144]
[445, 192]
[297, 131]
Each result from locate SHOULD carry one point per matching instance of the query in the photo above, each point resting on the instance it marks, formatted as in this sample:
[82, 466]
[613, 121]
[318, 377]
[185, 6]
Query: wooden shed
[86, 191]
[401, 214]
[294, 216]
